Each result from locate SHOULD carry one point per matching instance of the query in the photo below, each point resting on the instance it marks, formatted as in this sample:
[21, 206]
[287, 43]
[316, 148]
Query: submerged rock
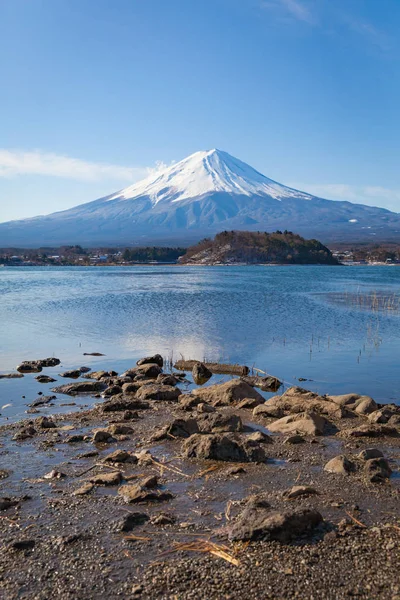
[200, 373]
[32, 366]
[80, 387]
[42, 400]
[266, 384]
[11, 375]
[45, 379]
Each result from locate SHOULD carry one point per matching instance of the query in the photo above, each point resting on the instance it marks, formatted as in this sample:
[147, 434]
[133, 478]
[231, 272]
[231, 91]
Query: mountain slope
[201, 195]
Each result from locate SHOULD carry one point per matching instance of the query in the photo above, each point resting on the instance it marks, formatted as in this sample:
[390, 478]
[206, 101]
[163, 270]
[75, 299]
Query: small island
[249, 247]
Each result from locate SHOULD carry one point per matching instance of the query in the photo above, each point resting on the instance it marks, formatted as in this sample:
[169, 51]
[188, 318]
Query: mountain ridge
[204, 193]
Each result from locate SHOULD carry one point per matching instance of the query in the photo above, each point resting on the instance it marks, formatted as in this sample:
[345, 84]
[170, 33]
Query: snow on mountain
[203, 173]
[199, 196]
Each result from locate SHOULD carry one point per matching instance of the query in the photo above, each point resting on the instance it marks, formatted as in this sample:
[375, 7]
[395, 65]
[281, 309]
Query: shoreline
[121, 526]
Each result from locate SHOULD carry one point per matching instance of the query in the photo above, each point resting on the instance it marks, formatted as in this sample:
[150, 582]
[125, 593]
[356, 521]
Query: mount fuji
[199, 196]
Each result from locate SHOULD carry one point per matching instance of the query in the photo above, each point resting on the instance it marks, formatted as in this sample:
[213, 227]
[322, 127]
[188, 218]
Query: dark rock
[71, 374]
[369, 453]
[266, 384]
[93, 354]
[149, 370]
[200, 373]
[219, 423]
[11, 375]
[294, 439]
[377, 470]
[120, 456]
[120, 429]
[49, 362]
[74, 439]
[121, 402]
[156, 359]
[24, 433]
[259, 523]
[130, 388]
[130, 521]
[32, 366]
[46, 423]
[45, 379]
[113, 390]
[97, 375]
[25, 544]
[6, 503]
[103, 436]
[80, 387]
[182, 428]
[222, 447]
[167, 379]
[4, 473]
[42, 400]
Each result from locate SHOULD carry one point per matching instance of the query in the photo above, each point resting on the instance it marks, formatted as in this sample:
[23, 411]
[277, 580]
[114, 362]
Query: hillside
[230, 247]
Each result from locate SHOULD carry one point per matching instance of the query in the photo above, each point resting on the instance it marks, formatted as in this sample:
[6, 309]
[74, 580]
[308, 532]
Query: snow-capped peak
[204, 172]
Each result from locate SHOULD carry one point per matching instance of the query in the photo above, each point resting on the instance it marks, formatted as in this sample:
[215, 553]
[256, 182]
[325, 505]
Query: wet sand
[55, 543]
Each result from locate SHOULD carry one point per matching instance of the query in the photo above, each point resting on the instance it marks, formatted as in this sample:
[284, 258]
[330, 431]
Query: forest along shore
[155, 492]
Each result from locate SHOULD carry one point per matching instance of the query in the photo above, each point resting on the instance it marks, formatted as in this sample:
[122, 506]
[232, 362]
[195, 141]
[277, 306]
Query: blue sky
[94, 93]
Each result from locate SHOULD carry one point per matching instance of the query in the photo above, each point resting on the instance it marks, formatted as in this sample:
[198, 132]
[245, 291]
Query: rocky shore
[217, 493]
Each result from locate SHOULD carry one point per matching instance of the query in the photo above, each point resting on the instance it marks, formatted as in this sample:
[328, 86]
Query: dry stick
[259, 371]
[355, 520]
[173, 469]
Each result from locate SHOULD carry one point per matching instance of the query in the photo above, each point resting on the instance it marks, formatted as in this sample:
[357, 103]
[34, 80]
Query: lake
[336, 327]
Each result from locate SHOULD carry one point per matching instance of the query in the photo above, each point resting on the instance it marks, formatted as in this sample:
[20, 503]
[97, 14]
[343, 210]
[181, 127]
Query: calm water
[336, 326]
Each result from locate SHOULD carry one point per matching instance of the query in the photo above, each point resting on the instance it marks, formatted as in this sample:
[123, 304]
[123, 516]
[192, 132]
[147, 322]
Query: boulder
[86, 488]
[369, 453]
[49, 362]
[200, 373]
[130, 388]
[249, 403]
[258, 522]
[167, 379]
[364, 404]
[97, 375]
[112, 390]
[222, 447]
[340, 465]
[268, 411]
[301, 423]
[120, 429]
[297, 400]
[149, 370]
[158, 392]
[380, 416]
[219, 423]
[180, 428]
[156, 359]
[103, 436]
[80, 387]
[377, 470]
[230, 392]
[123, 403]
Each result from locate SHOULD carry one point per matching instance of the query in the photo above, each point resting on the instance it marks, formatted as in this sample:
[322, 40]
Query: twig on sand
[164, 466]
[206, 546]
[140, 538]
[355, 520]
[11, 521]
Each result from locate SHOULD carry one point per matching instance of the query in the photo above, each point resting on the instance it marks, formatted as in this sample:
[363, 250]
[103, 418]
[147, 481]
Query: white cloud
[371, 195]
[291, 8]
[19, 162]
